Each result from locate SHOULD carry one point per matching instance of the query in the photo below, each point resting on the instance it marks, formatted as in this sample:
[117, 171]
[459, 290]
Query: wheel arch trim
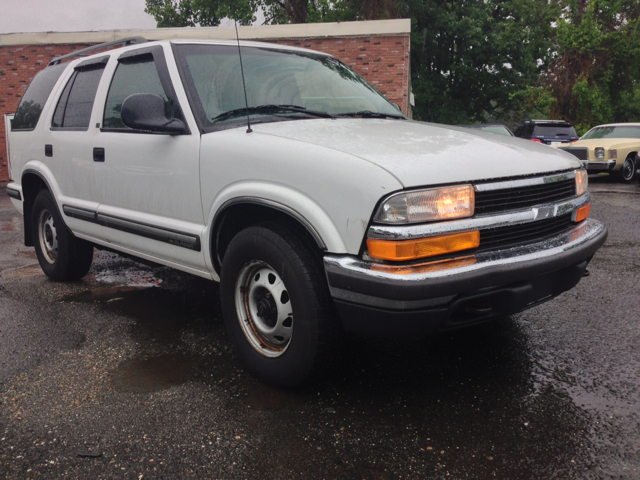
[271, 204]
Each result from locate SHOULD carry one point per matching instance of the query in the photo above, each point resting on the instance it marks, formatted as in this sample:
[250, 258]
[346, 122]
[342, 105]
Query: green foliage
[470, 58]
[595, 75]
[207, 13]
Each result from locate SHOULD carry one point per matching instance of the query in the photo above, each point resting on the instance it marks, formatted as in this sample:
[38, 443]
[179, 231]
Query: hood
[426, 154]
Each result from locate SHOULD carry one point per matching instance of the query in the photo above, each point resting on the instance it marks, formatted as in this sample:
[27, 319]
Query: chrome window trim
[532, 214]
[525, 182]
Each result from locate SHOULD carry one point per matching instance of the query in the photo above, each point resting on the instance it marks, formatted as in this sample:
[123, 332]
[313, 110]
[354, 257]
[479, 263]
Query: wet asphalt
[129, 374]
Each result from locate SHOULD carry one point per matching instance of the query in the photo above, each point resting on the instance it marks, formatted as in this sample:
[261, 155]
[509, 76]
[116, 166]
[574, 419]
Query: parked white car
[331, 213]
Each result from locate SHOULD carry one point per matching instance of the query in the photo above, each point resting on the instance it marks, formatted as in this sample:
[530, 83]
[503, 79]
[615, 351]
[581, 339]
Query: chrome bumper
[599, 166]
[430, 284]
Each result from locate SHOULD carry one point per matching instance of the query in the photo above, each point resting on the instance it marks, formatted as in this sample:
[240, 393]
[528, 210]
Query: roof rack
[84, 51]
[547, 121]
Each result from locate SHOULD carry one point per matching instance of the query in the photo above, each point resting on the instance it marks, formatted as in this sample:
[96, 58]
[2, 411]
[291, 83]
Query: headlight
[582, 181]
[427, 205]
[613, 154]
[599, 153]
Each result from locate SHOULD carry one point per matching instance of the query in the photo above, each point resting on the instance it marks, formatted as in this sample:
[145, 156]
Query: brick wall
[383, 61]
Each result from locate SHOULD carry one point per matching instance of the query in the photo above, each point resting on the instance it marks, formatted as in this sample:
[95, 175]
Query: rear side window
[73, 111]
[135, 75]
[33, 100]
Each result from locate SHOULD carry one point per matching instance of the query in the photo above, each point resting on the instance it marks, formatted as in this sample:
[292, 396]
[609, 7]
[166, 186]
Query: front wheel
[62, 256]
[628, 171]
[276, 306]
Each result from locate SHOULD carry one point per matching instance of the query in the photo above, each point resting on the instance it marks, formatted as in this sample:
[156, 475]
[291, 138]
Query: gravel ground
[129, 374]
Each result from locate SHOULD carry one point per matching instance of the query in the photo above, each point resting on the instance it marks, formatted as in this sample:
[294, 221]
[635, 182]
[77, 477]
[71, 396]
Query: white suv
[331, 213]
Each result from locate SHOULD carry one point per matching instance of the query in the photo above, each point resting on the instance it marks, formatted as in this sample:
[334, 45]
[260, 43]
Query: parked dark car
[549, 132]
[492, 128]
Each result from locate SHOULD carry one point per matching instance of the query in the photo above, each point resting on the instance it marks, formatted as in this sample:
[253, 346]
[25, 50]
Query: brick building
[377, 50]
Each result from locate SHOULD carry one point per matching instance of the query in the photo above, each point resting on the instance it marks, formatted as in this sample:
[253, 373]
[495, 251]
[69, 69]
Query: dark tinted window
[555, 131]
[35, 97]
[75, 104]
[135, 75]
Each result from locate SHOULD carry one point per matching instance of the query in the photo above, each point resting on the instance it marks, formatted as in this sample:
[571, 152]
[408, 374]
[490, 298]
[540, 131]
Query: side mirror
[145, 111]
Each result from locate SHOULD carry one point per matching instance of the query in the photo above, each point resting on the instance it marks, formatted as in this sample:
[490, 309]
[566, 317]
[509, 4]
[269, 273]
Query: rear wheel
[62, 256]
[628, 171]
[277, 307]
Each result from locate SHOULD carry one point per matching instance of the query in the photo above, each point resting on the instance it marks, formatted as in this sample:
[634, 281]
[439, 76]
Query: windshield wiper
[271, 108]
[370, 114]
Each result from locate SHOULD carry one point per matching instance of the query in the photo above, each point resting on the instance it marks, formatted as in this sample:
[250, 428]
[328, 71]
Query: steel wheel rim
[627, 169]
[48, 236]
[264, 309]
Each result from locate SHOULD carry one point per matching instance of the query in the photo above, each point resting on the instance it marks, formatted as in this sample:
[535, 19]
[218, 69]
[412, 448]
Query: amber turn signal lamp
[581, 213]
[423, 247]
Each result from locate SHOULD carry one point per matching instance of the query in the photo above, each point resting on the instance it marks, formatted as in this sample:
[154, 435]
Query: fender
[283, 198]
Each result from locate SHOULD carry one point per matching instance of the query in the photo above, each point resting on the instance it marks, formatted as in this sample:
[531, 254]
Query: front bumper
[603, 166]
[381, 299]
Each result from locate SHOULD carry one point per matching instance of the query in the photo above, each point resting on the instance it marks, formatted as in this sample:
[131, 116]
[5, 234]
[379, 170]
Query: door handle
[48, 150]
[98, 154]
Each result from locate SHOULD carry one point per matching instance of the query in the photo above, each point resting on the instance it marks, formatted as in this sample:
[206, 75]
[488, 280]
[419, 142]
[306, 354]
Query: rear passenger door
[69, 147]
[148, 183]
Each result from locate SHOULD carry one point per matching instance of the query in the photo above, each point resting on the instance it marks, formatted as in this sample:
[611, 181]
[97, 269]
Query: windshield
[314, 82]
[497, 129]
[613, 132]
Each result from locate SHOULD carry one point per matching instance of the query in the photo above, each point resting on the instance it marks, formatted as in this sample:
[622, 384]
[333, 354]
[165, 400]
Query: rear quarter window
[33, 100]
[76, 102]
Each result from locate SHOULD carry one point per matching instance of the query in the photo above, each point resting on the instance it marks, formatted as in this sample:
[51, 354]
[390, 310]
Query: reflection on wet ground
[457, 402]
[551, 393]
[143, 375]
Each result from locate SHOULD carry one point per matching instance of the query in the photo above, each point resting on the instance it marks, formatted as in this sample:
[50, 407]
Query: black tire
[268, 261]
[62, 256]
[628, 170]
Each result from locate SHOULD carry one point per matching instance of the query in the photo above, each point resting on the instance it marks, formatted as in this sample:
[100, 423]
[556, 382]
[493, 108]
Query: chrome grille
[515, 235]
[515, 198]
[581, 153]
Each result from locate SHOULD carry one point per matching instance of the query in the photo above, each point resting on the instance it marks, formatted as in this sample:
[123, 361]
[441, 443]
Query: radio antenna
[244, 86]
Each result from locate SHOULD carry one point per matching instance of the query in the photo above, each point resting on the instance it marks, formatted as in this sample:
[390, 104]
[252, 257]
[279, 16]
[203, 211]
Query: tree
[594, 77]
[470, 58]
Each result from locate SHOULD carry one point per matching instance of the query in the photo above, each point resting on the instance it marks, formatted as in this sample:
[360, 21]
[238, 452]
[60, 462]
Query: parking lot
[129, 374]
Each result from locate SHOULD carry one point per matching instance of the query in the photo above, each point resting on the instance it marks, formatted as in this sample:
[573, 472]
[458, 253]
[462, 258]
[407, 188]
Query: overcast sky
[73, 15]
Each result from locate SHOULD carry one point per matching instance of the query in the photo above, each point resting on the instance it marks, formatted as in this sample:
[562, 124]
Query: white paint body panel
[423, 154]
[333, 173]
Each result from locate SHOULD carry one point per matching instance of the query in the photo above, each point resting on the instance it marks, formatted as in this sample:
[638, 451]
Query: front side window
[33, 100]
[76, 102]
[302, 80]
[133, 75]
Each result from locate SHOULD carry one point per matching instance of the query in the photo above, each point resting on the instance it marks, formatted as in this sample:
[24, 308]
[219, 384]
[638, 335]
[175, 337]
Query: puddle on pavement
[26, 254]
[143, 375]
[129, 277]
[24, 272]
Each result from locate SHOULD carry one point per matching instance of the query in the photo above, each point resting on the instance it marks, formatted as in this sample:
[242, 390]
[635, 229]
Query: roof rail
[78, 53]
